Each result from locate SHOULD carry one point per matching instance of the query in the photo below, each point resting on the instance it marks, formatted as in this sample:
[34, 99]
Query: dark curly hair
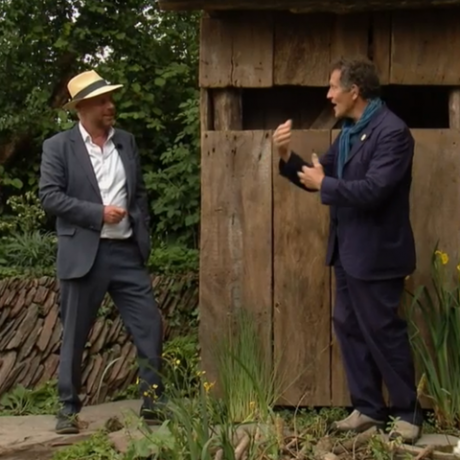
[360, 72]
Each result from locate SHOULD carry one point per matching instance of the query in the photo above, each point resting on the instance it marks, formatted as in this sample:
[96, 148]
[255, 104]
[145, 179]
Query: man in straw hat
[91, 182]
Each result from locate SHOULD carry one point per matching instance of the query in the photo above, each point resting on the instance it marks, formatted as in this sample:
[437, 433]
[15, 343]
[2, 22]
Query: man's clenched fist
[282, 140]
[113, 214]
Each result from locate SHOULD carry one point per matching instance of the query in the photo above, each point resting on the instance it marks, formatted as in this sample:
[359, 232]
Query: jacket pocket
[66, 231]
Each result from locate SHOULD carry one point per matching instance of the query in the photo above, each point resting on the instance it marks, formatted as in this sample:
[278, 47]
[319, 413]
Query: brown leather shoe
[356, 422]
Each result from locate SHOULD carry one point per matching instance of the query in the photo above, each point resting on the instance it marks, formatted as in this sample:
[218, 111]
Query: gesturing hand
[113, 214]
[282, 139]
[312, 177]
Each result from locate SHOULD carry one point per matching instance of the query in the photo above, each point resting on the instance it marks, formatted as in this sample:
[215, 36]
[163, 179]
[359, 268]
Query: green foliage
[97, 447]
[439, 358]
[172, 258]
[248, 381]
[181, 371]
[22, 401]
[203, 427]
[24, 250]
[153, 54]
[176, 185]
[25, 215]
[34, 252]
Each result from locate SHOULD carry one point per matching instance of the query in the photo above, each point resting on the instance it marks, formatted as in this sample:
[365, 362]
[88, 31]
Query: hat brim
[106, 89]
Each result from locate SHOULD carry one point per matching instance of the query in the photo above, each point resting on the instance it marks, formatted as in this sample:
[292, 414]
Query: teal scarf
[351, 130]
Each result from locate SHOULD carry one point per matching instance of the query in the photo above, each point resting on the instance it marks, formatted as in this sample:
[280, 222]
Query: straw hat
[86, 85]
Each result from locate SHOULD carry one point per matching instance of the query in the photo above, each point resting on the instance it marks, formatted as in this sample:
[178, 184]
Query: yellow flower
[137, 381]
[207, 386]
[146, 393]
[177, 362]
[443, 256]
[458, 267]
[154, 386]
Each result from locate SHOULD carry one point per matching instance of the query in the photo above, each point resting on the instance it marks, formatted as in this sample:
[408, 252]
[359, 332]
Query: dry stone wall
[30, 335]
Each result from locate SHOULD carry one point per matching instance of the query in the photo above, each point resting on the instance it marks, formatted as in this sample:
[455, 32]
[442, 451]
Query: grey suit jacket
[68, 189]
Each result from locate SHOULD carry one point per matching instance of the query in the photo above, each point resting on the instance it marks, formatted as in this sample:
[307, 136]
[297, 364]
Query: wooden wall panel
[259, 50]
[301, 284]
[339, 386]
[236, 51]
[340, 396]
[425, 48]
[350, 36]
[253, 52]
[435, 201]
[381, 46]
[215, 53]
[236, 236]
[435, 197]
[206, 112]
[307, 44]
[227, 109]
[302, 52]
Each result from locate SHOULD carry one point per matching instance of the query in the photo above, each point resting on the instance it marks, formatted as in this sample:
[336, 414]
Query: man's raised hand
[282, 139]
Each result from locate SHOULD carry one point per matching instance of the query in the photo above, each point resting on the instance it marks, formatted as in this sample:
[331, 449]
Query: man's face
[342, 99]
[98, 111]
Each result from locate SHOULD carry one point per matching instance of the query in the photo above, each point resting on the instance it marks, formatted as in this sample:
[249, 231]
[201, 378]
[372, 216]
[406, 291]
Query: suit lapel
[123, 151]
[82, 155]
[365, 134]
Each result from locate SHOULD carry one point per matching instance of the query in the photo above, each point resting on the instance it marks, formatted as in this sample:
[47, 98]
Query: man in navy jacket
[365, 178]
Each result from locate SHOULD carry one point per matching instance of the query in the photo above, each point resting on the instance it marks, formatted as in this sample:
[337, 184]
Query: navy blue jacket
[369, 206]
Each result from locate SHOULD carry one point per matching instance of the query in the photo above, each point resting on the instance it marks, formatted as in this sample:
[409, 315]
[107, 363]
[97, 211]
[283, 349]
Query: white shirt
[111, 177]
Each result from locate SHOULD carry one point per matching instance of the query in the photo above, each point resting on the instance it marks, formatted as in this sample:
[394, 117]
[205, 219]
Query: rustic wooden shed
[263, 240]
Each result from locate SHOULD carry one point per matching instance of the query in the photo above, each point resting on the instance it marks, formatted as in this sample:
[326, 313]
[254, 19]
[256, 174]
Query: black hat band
[90, 88]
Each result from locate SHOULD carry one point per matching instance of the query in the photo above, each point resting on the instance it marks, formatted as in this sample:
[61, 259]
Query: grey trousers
[118, 270]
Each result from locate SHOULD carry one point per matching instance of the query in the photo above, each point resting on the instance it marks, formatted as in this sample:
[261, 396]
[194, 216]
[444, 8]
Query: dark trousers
[118, 270]
[375, 346]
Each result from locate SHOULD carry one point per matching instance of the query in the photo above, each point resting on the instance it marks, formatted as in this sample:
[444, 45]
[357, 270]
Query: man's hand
[312, 177]
[282, 140]
[113, 214]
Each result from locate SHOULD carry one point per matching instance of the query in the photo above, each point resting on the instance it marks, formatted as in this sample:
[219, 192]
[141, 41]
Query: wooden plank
[301, 284]
[339, 387]
[302, 50]
[206, 115]
[381, 45]
[215, 53]
[236, 51]
[419, 51]
[253, 51]
[236, 240]
[435, 216]
[454, 108]
[326, 119]
[350, 36]
[227, 109]
[332, 6]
